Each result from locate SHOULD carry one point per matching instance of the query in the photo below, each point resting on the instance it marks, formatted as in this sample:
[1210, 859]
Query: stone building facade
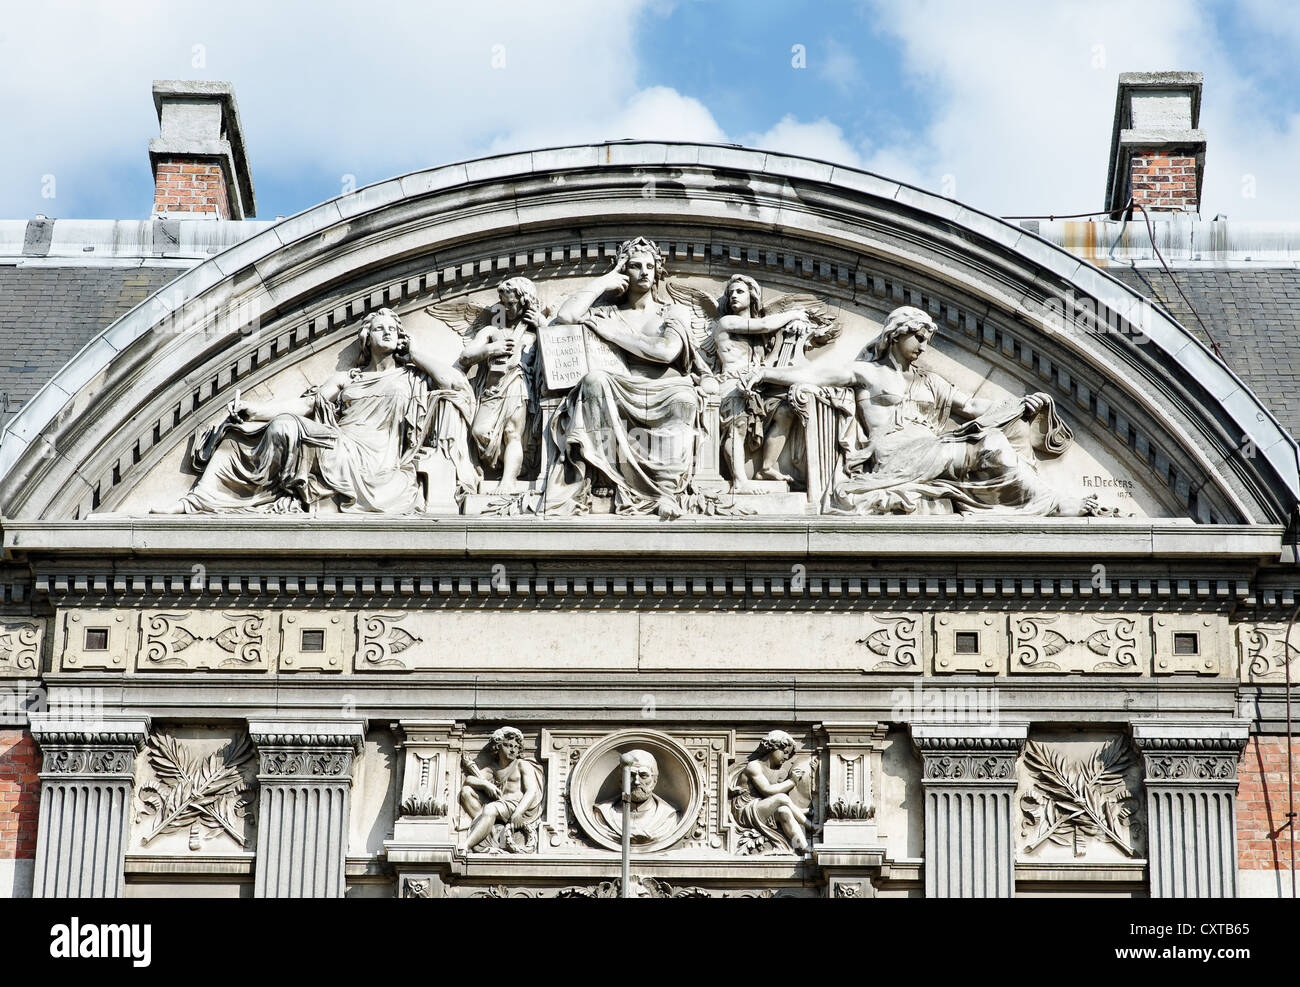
[901, 549]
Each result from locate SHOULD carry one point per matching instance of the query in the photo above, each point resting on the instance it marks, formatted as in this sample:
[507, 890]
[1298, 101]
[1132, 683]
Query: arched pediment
[1156, 417]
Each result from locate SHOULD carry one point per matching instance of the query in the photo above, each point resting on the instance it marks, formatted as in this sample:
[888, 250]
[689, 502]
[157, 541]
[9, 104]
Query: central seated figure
[635, 425]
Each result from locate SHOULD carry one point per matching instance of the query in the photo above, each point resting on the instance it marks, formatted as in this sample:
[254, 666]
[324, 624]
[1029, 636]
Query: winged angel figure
[501, 340]
[744, 334]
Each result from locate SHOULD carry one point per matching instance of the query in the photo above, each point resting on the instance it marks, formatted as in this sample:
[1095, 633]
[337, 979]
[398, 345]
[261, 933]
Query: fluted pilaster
[1191, 783]
[305, 776]
[87, 779]
[968, 775]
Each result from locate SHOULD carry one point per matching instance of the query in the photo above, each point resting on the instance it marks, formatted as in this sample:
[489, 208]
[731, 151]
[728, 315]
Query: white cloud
[374, 93]
[1025, 95]
[837, 65]
[655, 113]
[819, 139]
[1022, 94]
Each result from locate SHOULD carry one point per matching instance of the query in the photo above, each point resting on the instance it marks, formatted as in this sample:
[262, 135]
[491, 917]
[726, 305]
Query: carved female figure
[745, 334]
[636, 428]
[353, 437]
[762, 795]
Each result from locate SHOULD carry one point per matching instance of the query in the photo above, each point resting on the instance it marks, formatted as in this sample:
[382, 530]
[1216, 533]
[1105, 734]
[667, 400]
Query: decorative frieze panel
[897, 643]
[680, 637]
[20, 646]
[1079, 799]
[96, 640]
[201, 795]
[1262, 650]
[1191, 644]
[208, 640]
[1088, 643]
[382, 638]
[970, 643]
[314, 641]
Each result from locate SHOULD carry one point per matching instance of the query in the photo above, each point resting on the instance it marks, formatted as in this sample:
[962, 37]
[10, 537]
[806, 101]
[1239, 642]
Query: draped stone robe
[636, 428]
[917, 465]
[359, 446]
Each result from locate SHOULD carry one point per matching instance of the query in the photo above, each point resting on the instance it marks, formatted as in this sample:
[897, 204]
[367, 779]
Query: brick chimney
[200, 166]
[1157, 154]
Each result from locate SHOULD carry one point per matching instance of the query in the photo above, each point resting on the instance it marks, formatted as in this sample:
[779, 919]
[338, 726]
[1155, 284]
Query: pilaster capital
[1185, 753]
[969, 753]
[103, 747]
[311, 749]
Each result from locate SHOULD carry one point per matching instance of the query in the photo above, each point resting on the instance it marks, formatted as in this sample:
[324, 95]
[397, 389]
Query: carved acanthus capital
[311, 750]
[1190, 753]
[100, 748]
[963, 754]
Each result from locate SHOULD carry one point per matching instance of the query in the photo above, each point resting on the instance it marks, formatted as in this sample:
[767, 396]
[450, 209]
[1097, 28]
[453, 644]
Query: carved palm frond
[207, 790]
[1081, 802]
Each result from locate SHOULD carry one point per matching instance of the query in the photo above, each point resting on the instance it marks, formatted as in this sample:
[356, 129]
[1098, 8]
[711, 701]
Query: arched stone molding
[149, 380]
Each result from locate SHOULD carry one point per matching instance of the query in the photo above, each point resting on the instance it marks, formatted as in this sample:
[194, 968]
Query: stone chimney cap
[1153, 110]
[200, 119]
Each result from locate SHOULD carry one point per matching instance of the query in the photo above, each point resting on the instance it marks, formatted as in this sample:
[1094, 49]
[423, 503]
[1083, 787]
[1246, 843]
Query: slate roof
[48, 313]
[1254, 315]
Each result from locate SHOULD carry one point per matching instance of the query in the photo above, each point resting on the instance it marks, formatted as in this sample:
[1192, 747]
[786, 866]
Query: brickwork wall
[20, 794]
[1164, 180]
[183, 186]
[1263, 841]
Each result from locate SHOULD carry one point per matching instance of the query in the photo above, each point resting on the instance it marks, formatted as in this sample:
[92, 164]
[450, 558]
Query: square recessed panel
[313, 640]
[966, 643]
[96, 639]
[1186, 643]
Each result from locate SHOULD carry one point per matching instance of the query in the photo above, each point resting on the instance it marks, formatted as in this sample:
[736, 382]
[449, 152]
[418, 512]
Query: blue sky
[1005, 106]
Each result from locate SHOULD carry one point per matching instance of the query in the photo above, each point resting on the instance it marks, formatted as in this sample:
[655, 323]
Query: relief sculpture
[772, 797]
[631, 400]
[907, 460]
[353, 438]
[502, 801]
[746, 334]
[501, 341]
[651, 817]
[634, 430]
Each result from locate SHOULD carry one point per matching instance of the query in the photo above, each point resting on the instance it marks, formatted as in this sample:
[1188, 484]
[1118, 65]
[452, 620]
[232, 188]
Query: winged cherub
[501, 341]
[746, 334]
